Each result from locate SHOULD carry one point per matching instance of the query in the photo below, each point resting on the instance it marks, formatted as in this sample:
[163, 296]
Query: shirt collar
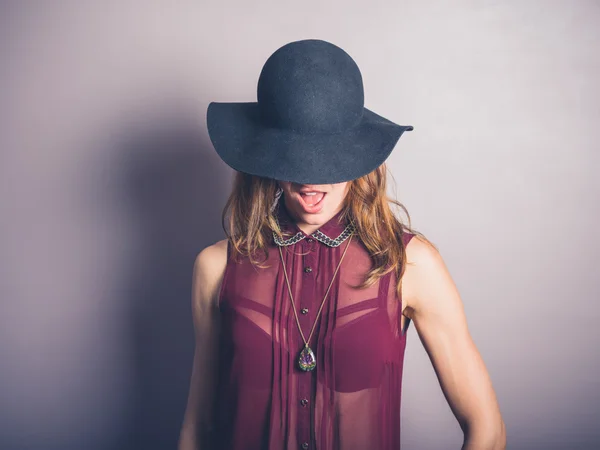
[332, 233]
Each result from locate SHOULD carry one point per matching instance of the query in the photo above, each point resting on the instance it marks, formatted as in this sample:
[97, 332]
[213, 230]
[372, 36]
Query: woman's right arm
[209, 267]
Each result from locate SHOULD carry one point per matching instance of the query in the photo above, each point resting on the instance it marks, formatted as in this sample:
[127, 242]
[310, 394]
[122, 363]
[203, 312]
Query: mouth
[311, 201]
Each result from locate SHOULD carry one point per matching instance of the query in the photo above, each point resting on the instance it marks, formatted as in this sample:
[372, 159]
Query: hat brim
[247, 145]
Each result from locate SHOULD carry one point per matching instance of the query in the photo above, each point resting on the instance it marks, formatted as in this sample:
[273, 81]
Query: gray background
[109, 188]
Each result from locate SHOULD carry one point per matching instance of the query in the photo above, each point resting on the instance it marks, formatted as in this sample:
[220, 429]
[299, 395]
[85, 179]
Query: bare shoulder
[209, 268]
[425, 273]
[421, 253]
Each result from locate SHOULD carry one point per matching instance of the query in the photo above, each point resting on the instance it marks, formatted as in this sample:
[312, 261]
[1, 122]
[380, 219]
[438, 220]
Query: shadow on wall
[175, 188]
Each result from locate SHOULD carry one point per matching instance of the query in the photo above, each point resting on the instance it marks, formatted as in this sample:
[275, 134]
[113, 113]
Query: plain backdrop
[109, 188]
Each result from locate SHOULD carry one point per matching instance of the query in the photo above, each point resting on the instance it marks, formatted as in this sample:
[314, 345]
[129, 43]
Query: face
[313, 204]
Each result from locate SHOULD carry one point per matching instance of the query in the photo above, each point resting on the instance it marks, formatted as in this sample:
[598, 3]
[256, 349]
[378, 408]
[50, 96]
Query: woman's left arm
[432, 301]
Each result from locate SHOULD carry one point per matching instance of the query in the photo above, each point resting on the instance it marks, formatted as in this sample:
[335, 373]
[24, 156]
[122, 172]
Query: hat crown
[311, 86]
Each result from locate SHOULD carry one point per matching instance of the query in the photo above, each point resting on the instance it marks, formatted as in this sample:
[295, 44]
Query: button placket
[307, 310]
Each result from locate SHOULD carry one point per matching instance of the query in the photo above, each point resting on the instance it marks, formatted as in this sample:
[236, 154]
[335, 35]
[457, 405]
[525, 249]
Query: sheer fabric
[351, 400]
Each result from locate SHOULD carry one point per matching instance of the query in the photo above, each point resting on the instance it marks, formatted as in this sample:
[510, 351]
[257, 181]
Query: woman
[300, 315]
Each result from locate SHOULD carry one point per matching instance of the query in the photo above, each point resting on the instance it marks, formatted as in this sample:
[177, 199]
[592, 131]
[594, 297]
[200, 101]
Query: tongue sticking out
[312, 199]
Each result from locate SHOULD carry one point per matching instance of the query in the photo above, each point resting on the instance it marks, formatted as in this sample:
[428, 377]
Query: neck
[308, 228]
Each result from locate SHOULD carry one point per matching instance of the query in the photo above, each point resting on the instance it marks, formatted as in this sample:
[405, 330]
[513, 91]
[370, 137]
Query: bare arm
[432, 301]
[196, 430]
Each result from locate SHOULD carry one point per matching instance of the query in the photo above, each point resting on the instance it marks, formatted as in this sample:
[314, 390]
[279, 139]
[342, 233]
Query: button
[308, 269]
[304, 310]
[305, 445]
[304, 402]
[309, 240]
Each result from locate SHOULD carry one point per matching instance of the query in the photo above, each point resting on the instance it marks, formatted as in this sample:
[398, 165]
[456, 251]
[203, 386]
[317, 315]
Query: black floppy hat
[309, 124]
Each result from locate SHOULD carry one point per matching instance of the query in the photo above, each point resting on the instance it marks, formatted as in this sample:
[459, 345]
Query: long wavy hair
[249, 222]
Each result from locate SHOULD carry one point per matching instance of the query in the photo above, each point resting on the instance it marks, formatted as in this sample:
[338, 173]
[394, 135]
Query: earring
[276, 200]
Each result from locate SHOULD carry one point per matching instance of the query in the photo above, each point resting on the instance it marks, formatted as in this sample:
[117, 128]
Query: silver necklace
[306, 359]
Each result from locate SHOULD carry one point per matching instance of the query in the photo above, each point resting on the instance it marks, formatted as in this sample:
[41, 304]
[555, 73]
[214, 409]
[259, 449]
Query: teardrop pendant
[307, 360]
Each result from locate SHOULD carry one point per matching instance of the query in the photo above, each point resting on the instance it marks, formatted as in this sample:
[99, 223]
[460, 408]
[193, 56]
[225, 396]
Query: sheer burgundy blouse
[351, 400]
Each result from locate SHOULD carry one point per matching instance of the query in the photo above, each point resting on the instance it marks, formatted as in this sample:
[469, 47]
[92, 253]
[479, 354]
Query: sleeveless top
[351, 400]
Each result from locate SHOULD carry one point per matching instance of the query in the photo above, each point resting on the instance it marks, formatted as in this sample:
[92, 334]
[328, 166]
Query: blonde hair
[251, 221]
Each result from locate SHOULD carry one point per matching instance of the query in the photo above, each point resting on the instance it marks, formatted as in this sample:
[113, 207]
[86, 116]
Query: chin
[311, 218]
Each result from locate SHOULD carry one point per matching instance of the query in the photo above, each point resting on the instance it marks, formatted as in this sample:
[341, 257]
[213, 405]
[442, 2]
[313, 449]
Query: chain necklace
[307, 360]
